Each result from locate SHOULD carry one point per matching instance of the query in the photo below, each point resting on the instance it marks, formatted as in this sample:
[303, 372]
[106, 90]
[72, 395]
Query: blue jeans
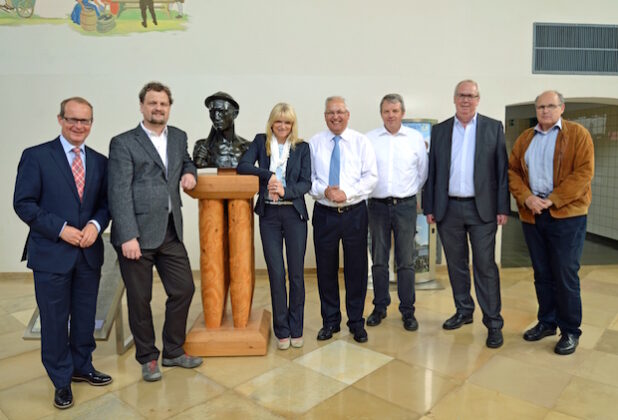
[279, 223]
[556, 247]
[400, 218]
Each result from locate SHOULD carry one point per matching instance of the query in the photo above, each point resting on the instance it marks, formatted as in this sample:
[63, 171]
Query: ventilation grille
[575, 49]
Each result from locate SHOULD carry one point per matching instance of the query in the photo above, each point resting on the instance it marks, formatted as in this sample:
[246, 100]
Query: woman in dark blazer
[284, 169]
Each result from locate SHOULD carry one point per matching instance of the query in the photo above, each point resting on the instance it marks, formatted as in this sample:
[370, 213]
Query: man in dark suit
[61, 193]
[146, 166]
[467, 195]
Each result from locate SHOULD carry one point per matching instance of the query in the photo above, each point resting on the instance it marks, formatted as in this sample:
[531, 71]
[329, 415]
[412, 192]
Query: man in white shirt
[401, 157]
[467, 195]
[146, 167]
[343, 174]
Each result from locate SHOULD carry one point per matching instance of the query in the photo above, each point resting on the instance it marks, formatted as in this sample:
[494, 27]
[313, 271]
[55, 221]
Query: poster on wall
[97, 17]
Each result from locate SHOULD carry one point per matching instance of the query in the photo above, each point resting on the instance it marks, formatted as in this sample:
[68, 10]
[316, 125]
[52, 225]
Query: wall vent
[560, 48]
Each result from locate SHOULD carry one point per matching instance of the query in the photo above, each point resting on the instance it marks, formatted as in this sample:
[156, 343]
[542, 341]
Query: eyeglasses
[464, 96]
[550, 107]
[338, 113]
[77, 121]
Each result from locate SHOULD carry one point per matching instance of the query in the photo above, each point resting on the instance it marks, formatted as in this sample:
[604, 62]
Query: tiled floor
[428, 374]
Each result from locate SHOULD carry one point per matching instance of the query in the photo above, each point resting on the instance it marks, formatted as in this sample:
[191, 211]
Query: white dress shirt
[159, 141]
[402, 162]
[461, 180]
[358, 174]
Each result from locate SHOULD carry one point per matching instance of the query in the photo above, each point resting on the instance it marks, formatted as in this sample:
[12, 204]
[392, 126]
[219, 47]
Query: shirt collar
[343, 135]
[472, 121]
[152, 133]
[558, 124]
[383, 131]
[68, 147]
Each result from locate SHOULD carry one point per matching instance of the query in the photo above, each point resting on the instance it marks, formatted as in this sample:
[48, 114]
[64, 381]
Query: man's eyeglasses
[337, 113]
[464, 96]
[76, 121]
[550, 107]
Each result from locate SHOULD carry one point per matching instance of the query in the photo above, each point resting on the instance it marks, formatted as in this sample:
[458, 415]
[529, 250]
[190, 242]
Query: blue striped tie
[335, 164]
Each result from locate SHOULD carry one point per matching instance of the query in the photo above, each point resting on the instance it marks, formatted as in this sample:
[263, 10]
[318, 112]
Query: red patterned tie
[78, 172]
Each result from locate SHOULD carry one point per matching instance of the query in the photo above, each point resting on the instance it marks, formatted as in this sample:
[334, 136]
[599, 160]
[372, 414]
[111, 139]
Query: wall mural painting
[97, 17]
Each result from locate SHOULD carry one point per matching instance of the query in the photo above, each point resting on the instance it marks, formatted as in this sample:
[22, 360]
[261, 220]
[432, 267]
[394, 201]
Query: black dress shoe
[63, 398]
[360, 335]
[567, 344]
[539, 331]
[457, 321]
[410, 323]
[95, 378]
[494, 338]
[376, 317]
[326, 332]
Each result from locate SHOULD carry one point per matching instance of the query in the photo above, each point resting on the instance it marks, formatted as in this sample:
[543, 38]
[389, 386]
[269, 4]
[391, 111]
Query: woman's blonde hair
[282, 111]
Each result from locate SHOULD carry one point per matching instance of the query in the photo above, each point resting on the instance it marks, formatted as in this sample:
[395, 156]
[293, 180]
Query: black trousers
[349, 227]
[143, 4]
[460, 222]
[281, 223]
[173, 267]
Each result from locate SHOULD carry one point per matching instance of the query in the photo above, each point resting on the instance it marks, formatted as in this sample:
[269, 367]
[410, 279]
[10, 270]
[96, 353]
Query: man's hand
[537, 204]
[72, 235]
[431, 219]
[335, 194]
[502, 219]
[89, 235]
[188, 182]
[131, 250]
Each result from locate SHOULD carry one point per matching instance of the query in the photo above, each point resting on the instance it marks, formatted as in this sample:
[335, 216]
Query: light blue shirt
[70, 155]
[540, 159]
[279, 174]
[461, 178]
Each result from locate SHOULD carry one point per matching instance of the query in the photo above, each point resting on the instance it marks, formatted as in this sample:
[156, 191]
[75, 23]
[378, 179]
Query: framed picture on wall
[423, 125]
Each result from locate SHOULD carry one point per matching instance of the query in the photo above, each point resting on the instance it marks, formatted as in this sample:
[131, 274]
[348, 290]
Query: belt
[279, 203]
[393, 200]
[460, 198]
[342, 209]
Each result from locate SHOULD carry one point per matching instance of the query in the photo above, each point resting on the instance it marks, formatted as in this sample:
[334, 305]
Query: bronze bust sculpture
[222, 148]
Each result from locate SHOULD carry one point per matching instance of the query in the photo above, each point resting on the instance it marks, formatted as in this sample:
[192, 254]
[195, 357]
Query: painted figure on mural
[222, 148]
[85, 4]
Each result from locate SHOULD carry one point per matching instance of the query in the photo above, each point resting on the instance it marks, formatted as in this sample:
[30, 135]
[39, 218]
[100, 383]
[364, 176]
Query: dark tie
[335, 164]
[77, 167]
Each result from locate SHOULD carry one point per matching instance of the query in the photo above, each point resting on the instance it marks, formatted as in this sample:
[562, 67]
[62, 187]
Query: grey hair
[478, 92]
[393, 98]
[338, 99]
[558, 94]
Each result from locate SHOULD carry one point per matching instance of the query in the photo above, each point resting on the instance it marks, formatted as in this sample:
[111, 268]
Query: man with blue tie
[61, 194]
[343, 174]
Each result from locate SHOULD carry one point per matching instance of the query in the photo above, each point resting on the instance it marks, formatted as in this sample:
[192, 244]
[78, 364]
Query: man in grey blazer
[467, 195]
[146, 166]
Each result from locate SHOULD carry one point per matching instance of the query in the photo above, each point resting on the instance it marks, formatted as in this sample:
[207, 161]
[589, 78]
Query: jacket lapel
[91, 168]
[449, 143]
[173, 152]
[63, 165]
[143, 140]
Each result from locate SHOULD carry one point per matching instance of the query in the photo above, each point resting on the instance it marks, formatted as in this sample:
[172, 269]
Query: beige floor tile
[18, 303]
[228, 406]
[601, 367]
[232, 371]
[541, 354]
[390, 337]
[21, 368]
[179, 390]
[447, 356]
[556, 415]
[290, 390]
[107, 406]
[29, 400]
[604, 288]
[597, 317]
[600, 301]
[606, 273]
[411, 387]
[3, 416]
[614, 324]
[608, 342]
[472, 402]
[13, 344]
[343, 361]
[587, 399]
[23, 316]
[354, 404]
[539, 385]
[590, 336]
[8, 324]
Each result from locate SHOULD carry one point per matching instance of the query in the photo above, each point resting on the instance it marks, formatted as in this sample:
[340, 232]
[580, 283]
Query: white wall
[267, 51]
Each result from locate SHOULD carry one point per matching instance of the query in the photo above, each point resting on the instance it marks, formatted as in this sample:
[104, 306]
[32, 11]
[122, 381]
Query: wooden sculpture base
[227, 340]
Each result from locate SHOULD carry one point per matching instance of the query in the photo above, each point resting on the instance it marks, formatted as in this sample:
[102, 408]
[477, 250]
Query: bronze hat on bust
[223, 96]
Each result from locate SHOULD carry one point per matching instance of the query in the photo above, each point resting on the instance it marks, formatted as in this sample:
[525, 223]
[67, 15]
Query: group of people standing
[67, 193]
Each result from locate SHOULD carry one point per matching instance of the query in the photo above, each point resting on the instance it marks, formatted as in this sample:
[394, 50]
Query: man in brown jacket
[550, 171]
